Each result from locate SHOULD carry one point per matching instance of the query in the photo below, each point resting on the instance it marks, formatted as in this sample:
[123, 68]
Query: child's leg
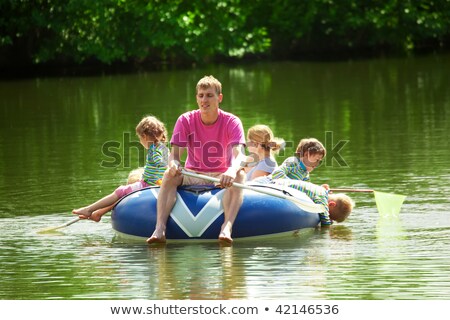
[98, 214]
[96, 210]
[102, 203]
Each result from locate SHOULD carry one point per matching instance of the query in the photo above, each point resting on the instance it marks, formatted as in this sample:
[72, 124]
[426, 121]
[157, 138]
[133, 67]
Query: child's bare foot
[96, 216]
[157, 237]
[83, 213]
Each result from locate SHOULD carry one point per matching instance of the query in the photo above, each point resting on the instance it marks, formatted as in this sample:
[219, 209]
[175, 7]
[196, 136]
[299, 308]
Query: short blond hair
[135, 175]
[209, 82]
[310, 145]
[344, 206]
[263, 135]
[153, 128]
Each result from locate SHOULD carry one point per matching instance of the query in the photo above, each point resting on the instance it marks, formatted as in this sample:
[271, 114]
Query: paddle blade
[388, 203]
[49, 229]
[54, 228]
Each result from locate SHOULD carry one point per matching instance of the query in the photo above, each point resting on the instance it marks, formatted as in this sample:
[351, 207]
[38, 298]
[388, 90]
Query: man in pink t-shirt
[214, 141]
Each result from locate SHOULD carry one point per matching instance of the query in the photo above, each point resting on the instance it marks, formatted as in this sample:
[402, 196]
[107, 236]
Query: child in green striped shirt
[337, 207]
[152, 135]
[294, 173]
[308, 156]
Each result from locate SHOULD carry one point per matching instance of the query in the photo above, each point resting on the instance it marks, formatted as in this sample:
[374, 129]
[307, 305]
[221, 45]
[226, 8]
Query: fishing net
[388, 203]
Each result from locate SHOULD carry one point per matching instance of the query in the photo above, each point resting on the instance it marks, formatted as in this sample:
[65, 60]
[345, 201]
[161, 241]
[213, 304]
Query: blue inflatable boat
[198, 214]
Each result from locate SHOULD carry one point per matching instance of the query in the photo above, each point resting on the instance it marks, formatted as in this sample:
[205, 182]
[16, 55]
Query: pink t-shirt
[209, 146]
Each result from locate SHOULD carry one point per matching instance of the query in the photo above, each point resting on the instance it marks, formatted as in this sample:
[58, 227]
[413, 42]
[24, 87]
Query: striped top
[291, 168]
[318, 194]
[156, 163]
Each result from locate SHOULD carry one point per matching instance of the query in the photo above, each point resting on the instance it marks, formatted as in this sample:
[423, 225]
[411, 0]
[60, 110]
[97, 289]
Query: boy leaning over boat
[294, 173]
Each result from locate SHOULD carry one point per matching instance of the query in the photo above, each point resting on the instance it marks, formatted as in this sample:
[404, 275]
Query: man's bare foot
[225, 236]
[225, 233]
[157, 237]
[225, 240]
[83, 213]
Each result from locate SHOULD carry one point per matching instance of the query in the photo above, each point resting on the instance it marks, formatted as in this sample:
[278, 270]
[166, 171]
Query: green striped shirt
[291, 168]
[318, 194]
[156, 163]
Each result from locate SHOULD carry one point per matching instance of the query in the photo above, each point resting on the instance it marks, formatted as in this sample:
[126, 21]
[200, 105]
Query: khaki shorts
[197, 181]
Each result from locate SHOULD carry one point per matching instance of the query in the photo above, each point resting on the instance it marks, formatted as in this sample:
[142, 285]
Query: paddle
[101, 211]
[387, 203]
[307, 206]
[50, 229]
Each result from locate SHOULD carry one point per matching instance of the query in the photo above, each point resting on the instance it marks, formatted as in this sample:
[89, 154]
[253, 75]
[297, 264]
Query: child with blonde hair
[262, 146]
[134, 176]
[152, 135]
[337, 207]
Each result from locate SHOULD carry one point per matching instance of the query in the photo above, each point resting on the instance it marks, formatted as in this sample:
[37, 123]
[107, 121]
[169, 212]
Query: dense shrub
[111, 31]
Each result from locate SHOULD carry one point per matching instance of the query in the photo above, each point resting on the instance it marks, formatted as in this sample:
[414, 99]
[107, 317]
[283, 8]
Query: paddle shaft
[60, 226]
[311, 207]
[70, 222]
[351, 190]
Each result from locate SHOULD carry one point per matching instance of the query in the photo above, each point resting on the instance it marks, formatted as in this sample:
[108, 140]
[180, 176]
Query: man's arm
[174, 165]
[239, 157]
[228, 176]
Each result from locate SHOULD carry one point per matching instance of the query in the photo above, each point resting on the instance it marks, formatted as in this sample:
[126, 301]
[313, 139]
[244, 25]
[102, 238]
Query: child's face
[312, 161]
[146, 141]
[252, 145]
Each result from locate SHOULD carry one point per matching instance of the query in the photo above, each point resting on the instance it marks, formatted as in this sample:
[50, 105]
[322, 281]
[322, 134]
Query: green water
[386, 126]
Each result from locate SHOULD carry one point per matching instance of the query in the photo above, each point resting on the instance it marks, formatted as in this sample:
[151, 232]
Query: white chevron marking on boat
[194, 226]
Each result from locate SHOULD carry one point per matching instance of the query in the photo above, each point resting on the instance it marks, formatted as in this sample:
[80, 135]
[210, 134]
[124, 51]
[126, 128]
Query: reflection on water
[394, 115]
[84, 261]
[390, 236]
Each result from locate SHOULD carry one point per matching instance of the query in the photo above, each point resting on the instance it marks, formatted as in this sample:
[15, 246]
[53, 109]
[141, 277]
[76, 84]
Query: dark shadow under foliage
[75, 37]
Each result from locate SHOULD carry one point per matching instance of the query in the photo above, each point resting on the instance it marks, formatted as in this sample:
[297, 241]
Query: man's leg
[166, 200]
[232, 200]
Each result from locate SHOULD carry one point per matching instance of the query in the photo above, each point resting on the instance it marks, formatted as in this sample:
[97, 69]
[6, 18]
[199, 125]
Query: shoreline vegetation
[48, 37]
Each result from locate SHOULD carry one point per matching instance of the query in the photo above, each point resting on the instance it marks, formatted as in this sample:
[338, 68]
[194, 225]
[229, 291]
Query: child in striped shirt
[294, 173]
[152, 135]
[308, 156]
[337, 207]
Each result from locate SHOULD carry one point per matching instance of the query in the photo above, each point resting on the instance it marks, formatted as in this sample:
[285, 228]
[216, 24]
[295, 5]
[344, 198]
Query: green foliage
[109, 31]
[329, 25]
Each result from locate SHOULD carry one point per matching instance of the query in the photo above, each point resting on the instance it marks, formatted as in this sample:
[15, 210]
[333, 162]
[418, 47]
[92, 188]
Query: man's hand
[174, 168]
[227, 178]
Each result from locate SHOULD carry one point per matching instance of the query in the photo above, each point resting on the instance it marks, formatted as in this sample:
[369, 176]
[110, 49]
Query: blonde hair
[153, 128]
[310, 145]
[263, 135]
[209, 82]
[344, 206]
[135, 175]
